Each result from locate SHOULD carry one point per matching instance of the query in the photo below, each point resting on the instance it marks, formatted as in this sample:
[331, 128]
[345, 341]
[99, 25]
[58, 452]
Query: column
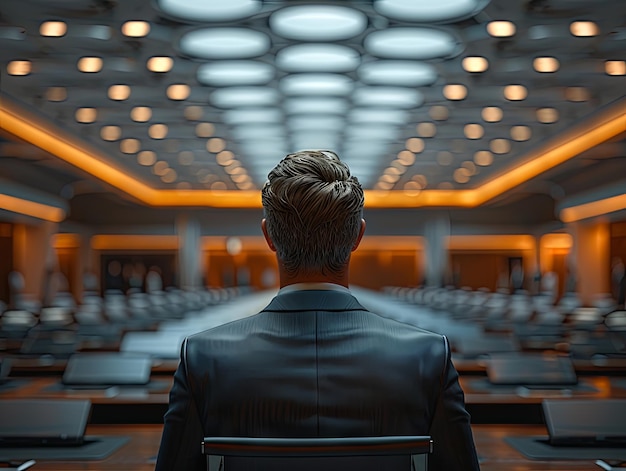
[189, 252]
[589, 262]
[437, 233]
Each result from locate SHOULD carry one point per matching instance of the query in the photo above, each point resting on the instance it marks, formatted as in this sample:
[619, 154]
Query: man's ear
[270, 244]
[361, 232]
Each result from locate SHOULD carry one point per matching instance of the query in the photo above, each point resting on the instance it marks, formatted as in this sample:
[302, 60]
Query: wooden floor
[140, 453]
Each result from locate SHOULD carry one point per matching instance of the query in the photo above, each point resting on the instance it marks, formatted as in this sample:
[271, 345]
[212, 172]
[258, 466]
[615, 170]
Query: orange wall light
[31, 208]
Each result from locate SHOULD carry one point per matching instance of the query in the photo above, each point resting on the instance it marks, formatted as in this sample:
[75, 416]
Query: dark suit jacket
[316, 364]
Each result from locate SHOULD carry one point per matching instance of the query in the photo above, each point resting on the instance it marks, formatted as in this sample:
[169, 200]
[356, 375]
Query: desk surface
[139, 454]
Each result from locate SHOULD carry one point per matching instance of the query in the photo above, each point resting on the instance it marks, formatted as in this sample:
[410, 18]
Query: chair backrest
[391, 453]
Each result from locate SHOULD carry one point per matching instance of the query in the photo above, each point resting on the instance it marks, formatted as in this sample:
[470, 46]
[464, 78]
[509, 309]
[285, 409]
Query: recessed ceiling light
[397, 73]
[546, 64]
[484, 158]
[157, 131]
[577, 94]
[193, 112]
[415, 144]
[455, 91]
[235, 73]
[183, 186]
[178, 91]
[160, 167]
[501, 29]
[146, 158]
[515, 92]
[383, 186]
[110, 133]
[235, 97]
[426, 129]
[210, 10]
[317, 84]
[130, 146]
[615, 67]
[411, 43]
[224, 43]
[205, 129]
[470, 166]
[186, 157]
[500, 146]
[141, 114]
[318, 22]
[160, 64]
[56, 94]
[136, 29]
[474, 131]
[412, 188]
[216, 145]
[317, 58]
[86, 115]
[547, 115]
[90, 64]
[19, 68]
[406, 157]
[475, 64]
[119, 92]
[521, 133]
[428, 12]
[461, 175]
[438, 112]
[584, 28]
[53, 29]
[378, 115]
[444, 158]
[218, 186]
[491, 114]
[169, 176]
[399, 97]
[224, 158]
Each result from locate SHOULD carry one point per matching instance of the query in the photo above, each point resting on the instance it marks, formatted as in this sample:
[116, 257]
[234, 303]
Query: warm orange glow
[556, 241]
[563, 148]
[65, 241]
[491, 242]
[593, 208]
[368, 243]
[31, 208]
[134, 242]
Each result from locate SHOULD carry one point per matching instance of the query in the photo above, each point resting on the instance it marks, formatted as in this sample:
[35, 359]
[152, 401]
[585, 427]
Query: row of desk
[139, 453]
[497, 413]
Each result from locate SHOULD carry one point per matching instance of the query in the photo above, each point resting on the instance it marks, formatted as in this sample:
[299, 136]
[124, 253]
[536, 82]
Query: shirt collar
[313, 286]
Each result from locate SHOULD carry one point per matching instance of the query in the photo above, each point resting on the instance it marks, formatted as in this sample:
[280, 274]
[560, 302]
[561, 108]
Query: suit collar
[314, 300]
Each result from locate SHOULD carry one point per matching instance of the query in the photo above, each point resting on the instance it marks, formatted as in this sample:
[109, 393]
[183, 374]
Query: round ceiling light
[411, 43]
[388, 97]
[316, 84]
[305, 123]
[234, 97]
[378, 115]
[397, 73]
[306, 105]
[224, 43]
[318, 22]
[252, 115]
[210, 10]
[317, 58]
[429, 12]
[235, 73]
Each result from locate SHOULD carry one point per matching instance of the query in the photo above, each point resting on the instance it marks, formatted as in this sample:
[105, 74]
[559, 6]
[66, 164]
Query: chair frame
[216, 448]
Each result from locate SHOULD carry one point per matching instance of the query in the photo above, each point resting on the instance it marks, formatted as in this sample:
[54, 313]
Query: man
[314, 362]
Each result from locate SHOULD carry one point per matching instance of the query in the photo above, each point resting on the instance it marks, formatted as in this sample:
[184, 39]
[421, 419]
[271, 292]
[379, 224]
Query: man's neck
[336, 278]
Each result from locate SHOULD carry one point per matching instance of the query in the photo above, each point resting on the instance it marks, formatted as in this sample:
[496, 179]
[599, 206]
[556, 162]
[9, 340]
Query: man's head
[313, 212]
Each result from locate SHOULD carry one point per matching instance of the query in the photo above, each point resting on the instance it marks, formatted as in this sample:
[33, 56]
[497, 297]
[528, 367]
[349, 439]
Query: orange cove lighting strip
[69, 148]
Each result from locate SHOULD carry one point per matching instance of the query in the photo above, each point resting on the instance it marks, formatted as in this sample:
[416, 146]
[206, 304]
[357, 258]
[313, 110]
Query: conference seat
[401, 453]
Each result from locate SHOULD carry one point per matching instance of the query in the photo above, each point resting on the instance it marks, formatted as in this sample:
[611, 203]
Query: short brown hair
[313, 209]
